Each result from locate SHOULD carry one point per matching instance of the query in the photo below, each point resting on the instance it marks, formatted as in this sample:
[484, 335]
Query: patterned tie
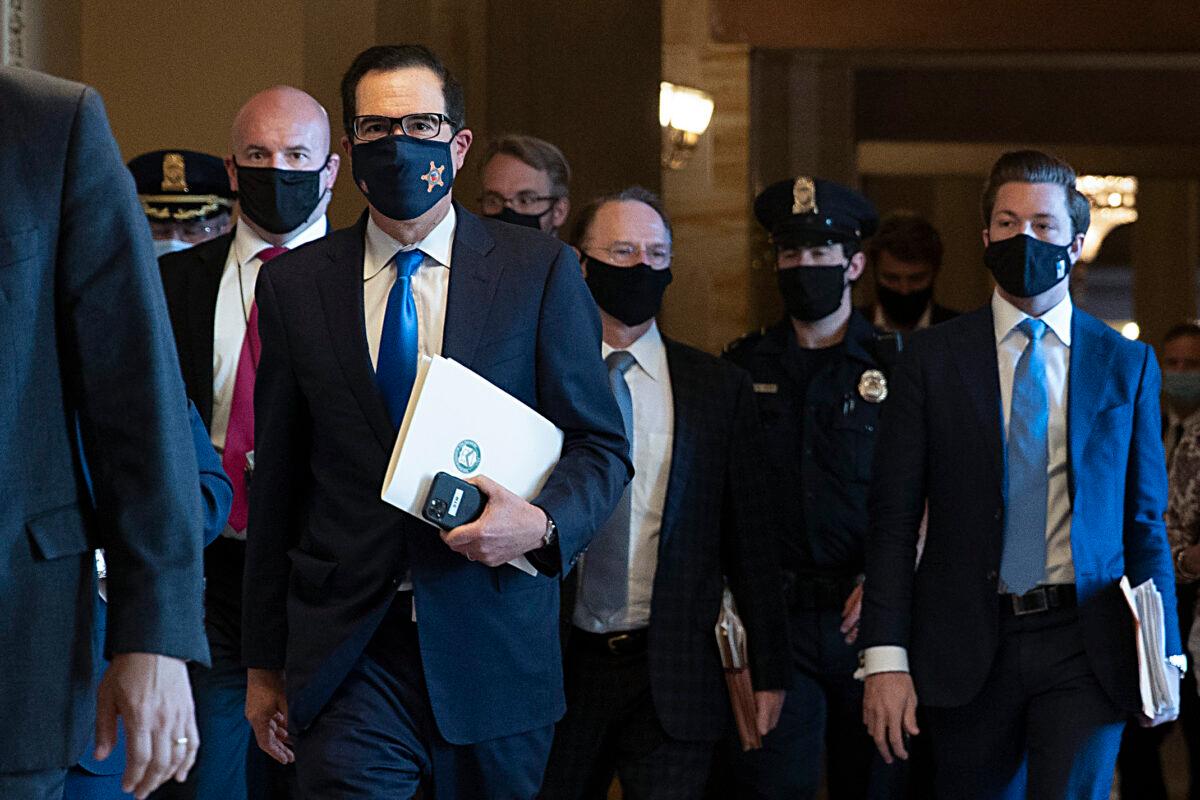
[239, 435]
[604, 579]
[1023, 562]
[397, 364]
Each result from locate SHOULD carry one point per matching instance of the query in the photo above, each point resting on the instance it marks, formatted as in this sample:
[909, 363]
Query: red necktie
[239, 436]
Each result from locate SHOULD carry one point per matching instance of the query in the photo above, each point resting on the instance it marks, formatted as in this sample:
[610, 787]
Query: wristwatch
[551, 534]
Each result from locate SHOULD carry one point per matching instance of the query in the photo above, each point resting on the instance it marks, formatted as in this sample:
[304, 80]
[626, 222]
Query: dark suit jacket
[216, 494]
[85, 336]
[191, 279]
[941, 441]
[717, 522]
[325, 554]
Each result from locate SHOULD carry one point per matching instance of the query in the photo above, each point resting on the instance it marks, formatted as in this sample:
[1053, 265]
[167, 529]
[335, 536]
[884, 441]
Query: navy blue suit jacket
[325, 554]
[941, 441]
[85, 338]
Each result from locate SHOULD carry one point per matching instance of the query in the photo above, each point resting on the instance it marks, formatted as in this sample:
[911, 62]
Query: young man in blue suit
[412, 659]
[1031, 431]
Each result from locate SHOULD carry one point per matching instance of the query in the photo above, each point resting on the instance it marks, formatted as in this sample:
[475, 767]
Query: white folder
[459, 423]
[1158, 692]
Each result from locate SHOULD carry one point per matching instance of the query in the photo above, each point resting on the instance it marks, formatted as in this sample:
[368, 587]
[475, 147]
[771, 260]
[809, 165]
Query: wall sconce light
[1113, 200]
[684, 114]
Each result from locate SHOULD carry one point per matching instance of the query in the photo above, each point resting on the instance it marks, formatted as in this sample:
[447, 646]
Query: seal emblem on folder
[467, 456]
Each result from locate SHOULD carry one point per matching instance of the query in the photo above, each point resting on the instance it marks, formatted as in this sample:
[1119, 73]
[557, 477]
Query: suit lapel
[1089, 356]
[683, 393]
[203, 283]
[975, 358]
[473, 281]
[341, 289]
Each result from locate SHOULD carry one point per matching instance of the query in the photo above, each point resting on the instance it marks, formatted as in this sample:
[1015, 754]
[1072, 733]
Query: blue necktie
[1023, 563]
[396, 368]
[604, 579]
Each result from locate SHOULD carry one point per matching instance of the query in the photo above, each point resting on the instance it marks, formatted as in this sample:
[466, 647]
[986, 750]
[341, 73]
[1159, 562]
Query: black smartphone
[452, 502]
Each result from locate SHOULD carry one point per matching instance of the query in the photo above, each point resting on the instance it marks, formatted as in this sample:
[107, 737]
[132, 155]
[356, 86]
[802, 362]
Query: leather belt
[617, 643]
[1042, 598]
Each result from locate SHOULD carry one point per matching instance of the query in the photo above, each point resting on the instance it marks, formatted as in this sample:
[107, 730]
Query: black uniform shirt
[820, 437]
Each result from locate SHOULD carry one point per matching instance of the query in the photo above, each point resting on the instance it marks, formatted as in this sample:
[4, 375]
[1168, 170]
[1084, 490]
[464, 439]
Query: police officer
[820, 378]
[185, 195]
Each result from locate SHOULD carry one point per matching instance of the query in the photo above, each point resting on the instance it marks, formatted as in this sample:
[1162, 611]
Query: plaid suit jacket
[716, 524]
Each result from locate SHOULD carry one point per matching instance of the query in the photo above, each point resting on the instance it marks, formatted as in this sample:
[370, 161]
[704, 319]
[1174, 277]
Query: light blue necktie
[604, 579]
[1023, 563]
[396, 368]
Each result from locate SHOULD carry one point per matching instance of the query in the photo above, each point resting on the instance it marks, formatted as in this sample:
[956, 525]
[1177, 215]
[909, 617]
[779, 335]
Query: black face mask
[525, 220]
[404, 177]
[812, 293]
[630, 294]
[901, 308]
[1024, 266]
[279, 200]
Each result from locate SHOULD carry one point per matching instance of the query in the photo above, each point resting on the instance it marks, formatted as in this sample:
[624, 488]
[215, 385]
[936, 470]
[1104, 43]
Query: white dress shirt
[1056, 354]
[430, 288]
[235, 297]
[653, 438]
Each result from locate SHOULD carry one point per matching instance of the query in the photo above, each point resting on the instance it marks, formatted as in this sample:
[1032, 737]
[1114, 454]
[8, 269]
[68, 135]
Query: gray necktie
[604, 579]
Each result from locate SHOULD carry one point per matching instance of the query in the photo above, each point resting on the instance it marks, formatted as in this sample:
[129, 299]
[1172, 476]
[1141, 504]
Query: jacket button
[999, 513]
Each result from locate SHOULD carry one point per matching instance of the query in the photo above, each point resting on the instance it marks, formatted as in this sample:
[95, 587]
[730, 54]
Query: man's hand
[152, 694]
[890, 712]
[851, 614]
[509, 527]
[266, 709]
[769, 705]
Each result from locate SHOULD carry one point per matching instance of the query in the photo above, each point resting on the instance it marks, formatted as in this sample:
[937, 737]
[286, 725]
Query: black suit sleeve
[896, 504]
[281, 447]
[116, 348]
[574, 394]
[748, 544]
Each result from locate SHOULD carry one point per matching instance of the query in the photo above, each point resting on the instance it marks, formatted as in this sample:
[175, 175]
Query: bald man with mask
[283, 173]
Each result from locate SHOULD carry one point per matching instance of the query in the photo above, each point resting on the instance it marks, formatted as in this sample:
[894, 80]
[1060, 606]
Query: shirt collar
[247, 244]
[381, 248]
[1006, 317]
[649, 350]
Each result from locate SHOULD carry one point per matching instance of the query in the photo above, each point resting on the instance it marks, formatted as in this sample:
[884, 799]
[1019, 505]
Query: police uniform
[185, 195]
[820, 411]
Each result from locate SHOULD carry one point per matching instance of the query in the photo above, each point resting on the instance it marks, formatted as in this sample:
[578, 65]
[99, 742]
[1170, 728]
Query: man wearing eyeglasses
[526, 181]
[384, 657]
[820, 379]
[283, 173]
[646, 694]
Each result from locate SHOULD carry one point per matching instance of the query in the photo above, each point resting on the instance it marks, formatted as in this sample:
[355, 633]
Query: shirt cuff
[884, 658]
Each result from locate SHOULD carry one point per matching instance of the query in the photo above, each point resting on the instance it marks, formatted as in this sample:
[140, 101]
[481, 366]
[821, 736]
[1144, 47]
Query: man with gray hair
[283, 173]
[526, 181]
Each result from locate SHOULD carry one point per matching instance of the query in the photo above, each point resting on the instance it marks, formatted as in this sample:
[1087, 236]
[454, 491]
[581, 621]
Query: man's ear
[986, 239]
[1076, 251]
[459, 146]
[231, 171]
[345, 141]
[858, 263]
[335, 161]
[559, 212]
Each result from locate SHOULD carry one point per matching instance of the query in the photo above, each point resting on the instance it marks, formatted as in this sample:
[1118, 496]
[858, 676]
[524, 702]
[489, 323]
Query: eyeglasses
[522, 202]
[625, 254]
[371, 127]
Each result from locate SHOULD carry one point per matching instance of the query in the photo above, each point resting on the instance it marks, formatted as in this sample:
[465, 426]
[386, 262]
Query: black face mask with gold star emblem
[403, 177]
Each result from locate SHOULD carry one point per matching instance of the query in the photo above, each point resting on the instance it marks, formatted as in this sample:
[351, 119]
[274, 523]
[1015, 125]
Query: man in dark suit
[411, 658]
[905, 256]
[646, 695]
[86, 343]
[1031, 429]
[283, 172]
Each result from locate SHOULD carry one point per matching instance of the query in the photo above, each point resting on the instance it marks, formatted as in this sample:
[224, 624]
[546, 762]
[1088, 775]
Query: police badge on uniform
[872, 386]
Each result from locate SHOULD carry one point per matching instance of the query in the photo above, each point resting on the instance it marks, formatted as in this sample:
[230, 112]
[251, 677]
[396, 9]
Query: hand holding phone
[452, 502]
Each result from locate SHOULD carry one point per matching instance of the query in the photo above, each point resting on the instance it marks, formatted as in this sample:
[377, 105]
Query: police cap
[181, 185]
[808, 211]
